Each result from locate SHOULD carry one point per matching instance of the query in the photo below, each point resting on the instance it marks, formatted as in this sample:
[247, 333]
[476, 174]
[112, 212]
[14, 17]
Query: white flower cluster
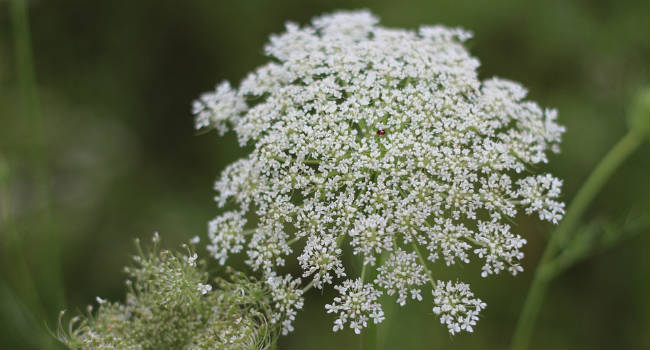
[357, 304]
[191, 259]
[383, 140]
[538, 193]
[225, 233]
[402, 273]
[456, 305]
[319, 257]
[288, 299]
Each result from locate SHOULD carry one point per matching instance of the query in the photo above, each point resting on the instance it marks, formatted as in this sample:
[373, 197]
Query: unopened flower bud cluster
[170, 304]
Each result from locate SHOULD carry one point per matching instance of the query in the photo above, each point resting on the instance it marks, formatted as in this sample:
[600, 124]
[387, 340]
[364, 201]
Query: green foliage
[166, 308]
[593, 238]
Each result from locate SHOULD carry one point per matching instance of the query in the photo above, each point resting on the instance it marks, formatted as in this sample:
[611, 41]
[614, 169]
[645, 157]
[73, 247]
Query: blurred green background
[114, 155]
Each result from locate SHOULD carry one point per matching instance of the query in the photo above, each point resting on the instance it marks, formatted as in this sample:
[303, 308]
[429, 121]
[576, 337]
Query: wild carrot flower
[384, 141]
[357, 303]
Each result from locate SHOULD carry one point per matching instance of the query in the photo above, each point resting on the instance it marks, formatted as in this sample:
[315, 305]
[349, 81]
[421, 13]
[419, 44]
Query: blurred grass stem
[50, 264]
[12, 246]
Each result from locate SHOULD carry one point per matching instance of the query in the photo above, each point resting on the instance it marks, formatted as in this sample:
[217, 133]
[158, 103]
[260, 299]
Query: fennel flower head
[382, 142]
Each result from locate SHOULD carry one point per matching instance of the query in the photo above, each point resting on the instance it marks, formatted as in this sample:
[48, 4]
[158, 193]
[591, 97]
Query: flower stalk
[546, 269]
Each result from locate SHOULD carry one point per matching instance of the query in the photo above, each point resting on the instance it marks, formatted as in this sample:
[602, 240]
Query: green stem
[580, 203]
[382, 331]
[424, 264]
[363, 270]
[363, 337]
[12, 248]
[50, 270]
[293, 240]
[308, 287]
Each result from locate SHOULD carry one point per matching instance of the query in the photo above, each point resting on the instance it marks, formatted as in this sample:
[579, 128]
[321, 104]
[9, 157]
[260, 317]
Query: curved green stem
[581, 201]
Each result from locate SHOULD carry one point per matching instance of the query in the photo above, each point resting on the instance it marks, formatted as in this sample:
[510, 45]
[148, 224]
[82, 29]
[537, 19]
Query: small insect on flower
[381, 132]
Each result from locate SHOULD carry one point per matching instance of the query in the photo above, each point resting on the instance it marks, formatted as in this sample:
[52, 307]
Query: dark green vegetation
[110, 154]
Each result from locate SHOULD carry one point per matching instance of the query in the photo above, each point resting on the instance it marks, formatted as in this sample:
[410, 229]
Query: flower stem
[364, 336]
[580, 203]
[293, 240]
[308, 287]
[424, 264]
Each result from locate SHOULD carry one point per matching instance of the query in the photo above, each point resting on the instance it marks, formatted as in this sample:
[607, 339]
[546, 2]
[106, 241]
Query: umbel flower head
[172, 304]
[385, 142]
